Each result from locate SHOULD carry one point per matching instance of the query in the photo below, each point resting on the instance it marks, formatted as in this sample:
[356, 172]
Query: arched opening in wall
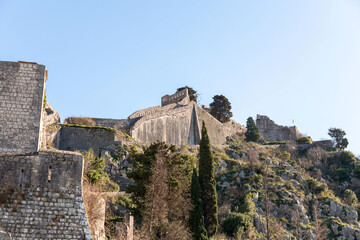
[49, 174]
[22, 170]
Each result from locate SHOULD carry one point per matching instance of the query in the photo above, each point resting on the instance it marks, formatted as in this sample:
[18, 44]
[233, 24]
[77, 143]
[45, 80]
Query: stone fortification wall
[273, 132]
[21, 99]
[82, 139]
[148, 111]
[172, 126]
[180, 125]
[175, 98]
[119, 124]
[41, 196]
[216, 130]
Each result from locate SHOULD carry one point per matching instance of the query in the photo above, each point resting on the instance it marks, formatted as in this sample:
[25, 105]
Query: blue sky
[291, 60]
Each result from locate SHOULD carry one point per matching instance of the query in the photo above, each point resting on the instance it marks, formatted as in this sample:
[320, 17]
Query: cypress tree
[208, 183]
[252, 132]
[196, 220]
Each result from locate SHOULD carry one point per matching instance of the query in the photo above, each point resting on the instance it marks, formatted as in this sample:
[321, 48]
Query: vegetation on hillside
[244, 190]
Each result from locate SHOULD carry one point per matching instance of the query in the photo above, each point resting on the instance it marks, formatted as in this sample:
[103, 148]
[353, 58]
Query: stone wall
[81, 138]
[119, 124]
[21, 99]
[272, 132]
[41, 196]
[180, 125]
[175, 98]
[172, 127]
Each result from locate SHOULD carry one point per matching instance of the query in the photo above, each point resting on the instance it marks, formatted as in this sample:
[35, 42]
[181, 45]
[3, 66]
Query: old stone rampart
[41, 196]
[22, 87]
[171, 126]
[175, 98]
[273, 132]
[74, 138]
[119, 124]
[180, 125]
[151, 110]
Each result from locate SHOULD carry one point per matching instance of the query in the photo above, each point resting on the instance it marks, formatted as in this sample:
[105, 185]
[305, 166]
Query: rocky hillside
[283, 190]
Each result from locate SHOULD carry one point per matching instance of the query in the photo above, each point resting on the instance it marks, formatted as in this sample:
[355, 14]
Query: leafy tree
[208, 183]
[252, 132]
[161, 190]
[338, 135]
[193, 95]
[220, 108]
[196, 220]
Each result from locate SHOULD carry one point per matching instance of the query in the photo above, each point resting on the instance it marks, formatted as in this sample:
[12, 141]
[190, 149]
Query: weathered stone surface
[21, 100]
[119, 124]
[272, 132]
[5, 235]
[176, 98]
[82, 139]
[50, 127]
[41, 196]
[178, 124]
[40, 192]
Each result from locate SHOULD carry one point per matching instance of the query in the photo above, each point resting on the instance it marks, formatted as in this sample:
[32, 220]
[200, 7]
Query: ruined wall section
[41, 196]
[273, 132]
[175, 98]
[21, 99]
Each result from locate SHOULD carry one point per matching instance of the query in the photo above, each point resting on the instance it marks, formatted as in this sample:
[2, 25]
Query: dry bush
[318, 156]
[252, 159]
[95, 209]
[80, 121]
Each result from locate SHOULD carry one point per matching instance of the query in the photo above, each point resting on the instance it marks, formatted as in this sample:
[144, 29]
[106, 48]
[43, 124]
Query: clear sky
[291, 60]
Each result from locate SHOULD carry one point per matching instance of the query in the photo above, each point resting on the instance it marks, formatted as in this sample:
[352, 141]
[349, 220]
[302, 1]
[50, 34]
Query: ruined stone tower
[272, 132]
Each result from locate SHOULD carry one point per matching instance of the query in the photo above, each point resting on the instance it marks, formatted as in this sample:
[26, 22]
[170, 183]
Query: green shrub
[315, 186]
[304, 140]
[236, 220]
[350, 197]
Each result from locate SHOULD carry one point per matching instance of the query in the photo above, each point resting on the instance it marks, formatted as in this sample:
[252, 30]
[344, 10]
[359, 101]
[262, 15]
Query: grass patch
[109, 129]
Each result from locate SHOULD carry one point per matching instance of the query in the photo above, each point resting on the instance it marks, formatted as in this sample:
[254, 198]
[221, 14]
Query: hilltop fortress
[41, 187]
[177, 121]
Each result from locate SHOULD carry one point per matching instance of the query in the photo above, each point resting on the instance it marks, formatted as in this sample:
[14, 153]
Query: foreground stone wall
[273, 132]
[41, 196]
[21, 99]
